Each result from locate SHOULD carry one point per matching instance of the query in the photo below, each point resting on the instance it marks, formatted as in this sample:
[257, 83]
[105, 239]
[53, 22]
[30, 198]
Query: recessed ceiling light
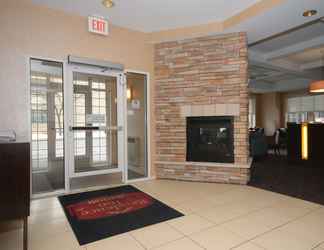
[108, 3]
[309, 13]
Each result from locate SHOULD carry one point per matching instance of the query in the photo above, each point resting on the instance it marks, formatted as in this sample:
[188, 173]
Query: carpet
[303, 181]
[97, 215]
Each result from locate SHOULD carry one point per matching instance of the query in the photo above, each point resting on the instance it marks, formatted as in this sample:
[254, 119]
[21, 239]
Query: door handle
[89, 128]
[95, 128]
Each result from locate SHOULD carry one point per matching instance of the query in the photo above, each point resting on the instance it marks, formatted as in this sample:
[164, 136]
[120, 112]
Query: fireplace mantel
[217, 109]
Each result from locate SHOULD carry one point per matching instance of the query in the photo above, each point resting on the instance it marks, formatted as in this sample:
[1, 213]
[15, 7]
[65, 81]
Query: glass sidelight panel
[136, 126]
[47, 130]
[94, 123]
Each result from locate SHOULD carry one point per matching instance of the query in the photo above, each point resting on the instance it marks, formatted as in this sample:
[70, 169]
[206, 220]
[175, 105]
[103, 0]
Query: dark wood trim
[15, 184]
[25, 239]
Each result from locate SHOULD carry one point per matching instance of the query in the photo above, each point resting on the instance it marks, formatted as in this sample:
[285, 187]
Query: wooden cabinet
[15, 183]
[315, 143]
[294, 142]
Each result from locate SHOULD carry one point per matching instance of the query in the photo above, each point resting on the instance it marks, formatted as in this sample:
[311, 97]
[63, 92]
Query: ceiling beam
[256, 59]
[286, 32]
[296, 48]
[312, 65]
[269, 76]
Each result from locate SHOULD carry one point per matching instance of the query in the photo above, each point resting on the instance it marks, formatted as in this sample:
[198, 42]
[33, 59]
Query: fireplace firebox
[210, 139]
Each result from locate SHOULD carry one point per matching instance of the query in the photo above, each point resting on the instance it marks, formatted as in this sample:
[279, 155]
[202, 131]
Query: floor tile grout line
[157, 194]
[133, 237]
[188, 236]
[182, 236]
[166, 243]
[245, 242]
[275, 228]
[234, 218]
[202, 230]
[196, 243]
[318, 245]
[255, 211]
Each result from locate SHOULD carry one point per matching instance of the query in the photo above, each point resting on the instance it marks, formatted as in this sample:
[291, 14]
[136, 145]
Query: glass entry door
[96, 133]
[137, 137]
[47, 126]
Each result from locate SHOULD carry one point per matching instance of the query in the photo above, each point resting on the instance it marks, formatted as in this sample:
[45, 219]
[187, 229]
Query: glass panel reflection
[94, 105]
[47, 119]
[136, 126]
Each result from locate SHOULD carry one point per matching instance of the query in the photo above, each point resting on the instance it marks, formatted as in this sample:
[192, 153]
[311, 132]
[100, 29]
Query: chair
[278, 140]
[258, 143]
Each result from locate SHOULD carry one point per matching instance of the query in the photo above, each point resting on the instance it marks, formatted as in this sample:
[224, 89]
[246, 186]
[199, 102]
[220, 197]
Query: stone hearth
[199, 77]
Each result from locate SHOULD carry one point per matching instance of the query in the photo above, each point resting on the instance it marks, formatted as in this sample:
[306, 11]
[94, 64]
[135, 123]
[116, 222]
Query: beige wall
[269, 112]
[30, 30]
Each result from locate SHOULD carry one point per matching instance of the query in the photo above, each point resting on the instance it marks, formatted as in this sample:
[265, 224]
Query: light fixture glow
[108, 3]
[304, 134]
[317, 87]
[309, 13]
[129, 93]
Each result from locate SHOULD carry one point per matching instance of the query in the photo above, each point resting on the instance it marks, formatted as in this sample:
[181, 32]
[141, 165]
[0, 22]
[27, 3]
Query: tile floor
[218, 216]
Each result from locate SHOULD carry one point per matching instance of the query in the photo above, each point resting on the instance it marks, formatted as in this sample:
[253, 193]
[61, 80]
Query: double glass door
[95, 122]
[86, 128]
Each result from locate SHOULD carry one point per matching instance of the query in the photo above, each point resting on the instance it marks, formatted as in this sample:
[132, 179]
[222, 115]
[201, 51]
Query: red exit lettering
[98, 25]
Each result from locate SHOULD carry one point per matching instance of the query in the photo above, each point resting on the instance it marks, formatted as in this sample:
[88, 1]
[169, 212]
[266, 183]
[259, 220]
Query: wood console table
[15, 183]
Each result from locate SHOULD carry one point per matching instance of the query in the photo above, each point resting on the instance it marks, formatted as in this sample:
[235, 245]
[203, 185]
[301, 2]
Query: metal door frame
[121, 111]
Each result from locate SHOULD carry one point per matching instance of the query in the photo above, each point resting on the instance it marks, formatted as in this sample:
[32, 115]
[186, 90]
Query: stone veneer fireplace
[210, 139]
[201, 78]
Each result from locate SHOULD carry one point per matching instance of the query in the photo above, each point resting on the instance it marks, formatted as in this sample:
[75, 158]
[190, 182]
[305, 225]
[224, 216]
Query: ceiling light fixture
[318, 86]
[309, 13]
[108, 3]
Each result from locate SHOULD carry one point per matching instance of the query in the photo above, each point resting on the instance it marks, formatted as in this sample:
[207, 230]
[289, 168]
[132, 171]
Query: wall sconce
[304, 135]
[129, 93]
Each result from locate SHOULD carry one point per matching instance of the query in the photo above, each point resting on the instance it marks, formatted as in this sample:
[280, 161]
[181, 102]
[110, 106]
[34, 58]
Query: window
[39, 114]
[305, 108]
[47, 118]
[99, 107]
[79, 120]
[252, 111]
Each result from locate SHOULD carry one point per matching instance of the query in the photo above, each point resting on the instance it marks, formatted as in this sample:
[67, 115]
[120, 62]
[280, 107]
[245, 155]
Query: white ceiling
[154, 15]
[279, 19]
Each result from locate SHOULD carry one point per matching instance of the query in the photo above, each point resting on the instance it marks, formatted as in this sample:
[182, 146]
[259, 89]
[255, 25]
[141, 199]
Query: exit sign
[98, 25]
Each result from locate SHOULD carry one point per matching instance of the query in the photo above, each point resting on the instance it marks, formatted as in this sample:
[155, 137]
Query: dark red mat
[100, 214]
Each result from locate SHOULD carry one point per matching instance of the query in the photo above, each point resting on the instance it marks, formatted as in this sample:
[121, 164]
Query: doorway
[96, 134]
[47, 126]
[93, 134]
[137, 126]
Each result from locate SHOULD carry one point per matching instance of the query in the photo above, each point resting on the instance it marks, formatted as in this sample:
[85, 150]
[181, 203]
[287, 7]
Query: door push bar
[84, 128]
[97, 128]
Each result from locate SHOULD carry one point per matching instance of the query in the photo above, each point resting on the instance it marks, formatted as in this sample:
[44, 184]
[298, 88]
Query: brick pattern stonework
[200, 72]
